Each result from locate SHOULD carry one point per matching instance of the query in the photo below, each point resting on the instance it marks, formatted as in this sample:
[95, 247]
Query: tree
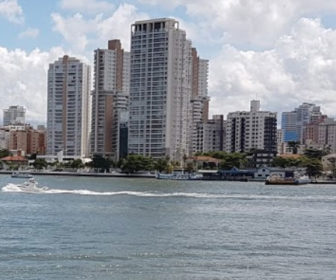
[4, 153]
[190, 167]
[332, 161]
[77, 164]
[294, 145]
[231, 160]
[135, 163]
[100, 164]
[313, 153]
[161, 164]
[40, 163]
[286, 162]
[313, 166]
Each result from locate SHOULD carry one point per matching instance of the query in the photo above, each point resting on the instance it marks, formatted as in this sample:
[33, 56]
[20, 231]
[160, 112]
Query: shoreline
[139, 176]
[83, 174]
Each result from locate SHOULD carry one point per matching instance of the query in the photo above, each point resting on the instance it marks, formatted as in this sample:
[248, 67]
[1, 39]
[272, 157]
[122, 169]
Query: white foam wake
[44, 190]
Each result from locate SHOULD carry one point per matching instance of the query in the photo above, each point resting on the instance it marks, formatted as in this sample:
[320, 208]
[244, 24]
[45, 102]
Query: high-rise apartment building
[109, 98]
[251, 130]
[199, 100]
[293, 123]
[327, 135]
[14, 115]
[68, 107]
[163, 80]
[210, 135]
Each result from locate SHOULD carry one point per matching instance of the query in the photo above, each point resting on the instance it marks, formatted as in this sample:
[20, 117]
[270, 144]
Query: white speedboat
[18, 174]
[31, 186]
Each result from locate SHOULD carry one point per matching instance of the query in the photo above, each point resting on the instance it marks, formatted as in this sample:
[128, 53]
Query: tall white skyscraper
[68, 107]
[109, 98]
[14, 115]
[160, 89]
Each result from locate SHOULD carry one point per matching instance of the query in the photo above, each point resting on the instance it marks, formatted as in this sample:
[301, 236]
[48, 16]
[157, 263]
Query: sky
[280, 52]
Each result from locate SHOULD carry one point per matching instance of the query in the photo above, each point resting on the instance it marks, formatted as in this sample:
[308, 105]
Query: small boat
[277, 180]
[31, 186]
[25, 175]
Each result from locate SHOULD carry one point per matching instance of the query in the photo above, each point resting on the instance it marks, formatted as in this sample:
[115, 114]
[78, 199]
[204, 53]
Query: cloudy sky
[281, 52]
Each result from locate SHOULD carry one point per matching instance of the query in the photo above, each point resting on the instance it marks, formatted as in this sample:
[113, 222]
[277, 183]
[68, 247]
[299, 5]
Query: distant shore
[82, 174]
[124, 175]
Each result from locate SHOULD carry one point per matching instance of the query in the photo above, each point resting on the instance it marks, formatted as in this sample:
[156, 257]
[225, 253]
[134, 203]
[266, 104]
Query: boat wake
[13, 188]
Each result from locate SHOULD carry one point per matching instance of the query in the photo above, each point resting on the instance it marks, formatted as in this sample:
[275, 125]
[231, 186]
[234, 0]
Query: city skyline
[279, 53]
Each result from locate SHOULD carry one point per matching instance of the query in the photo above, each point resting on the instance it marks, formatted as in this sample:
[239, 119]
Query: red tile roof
[14, 158]
[206, 159]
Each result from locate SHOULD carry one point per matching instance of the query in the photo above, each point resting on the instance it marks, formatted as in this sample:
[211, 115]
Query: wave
[44, 190]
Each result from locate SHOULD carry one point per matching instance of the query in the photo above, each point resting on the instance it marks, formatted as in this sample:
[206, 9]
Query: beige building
[68, 120]
[109, 98]
[27, 140]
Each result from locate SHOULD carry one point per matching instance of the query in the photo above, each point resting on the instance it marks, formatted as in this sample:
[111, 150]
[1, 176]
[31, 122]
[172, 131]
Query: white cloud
[12, 11]
[24, 80]
[87, 6]
[81, 32]
[75, 29]
[300, 68]
[29, 33]
[257, 23]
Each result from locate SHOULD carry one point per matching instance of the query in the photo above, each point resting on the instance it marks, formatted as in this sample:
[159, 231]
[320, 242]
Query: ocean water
[111, 228]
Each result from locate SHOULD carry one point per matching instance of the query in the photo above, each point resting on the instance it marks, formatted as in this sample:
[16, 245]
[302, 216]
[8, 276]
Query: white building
[109, 98]
[14, 115]
[68, 107]
[160, 89]
[251, 130]
[4, 138]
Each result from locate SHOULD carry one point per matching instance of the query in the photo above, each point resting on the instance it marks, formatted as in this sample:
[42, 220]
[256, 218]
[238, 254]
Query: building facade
[14, 115]
[199, 102]
[294, 123]
[23, 139]
[110, 98]
[160, 89]
[68, 107]
[4, 138]
[210, 135]
[327, 135]
[251, 130]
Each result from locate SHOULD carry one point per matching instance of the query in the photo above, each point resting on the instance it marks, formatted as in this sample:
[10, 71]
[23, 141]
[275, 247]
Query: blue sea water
[111, 228]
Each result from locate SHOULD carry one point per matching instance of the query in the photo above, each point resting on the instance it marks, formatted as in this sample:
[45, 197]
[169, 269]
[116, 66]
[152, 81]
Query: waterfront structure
[160, 89]
[252, 131]
[14, 115]
[109, 98]
[68, 107]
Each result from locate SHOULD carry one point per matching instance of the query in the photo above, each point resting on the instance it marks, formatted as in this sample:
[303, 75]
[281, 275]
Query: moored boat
[24, 175]
[277, 180]
[179, 176]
